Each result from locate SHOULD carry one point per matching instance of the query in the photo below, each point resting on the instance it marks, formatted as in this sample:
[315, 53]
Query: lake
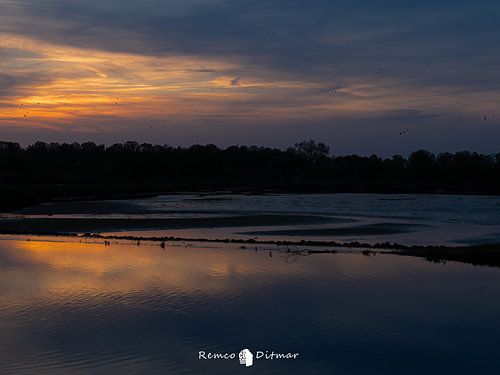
[88, 306]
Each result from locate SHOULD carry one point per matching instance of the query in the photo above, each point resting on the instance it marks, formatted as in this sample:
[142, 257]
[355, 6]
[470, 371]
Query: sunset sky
[353, 73]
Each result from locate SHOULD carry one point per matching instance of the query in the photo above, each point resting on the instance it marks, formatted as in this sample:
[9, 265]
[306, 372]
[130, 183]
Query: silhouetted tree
[311, 150]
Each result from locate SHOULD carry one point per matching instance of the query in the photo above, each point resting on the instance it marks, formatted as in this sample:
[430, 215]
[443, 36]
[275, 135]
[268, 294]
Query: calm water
[86, 308]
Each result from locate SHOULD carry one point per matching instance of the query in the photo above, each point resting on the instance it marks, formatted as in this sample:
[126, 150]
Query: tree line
[306, 166]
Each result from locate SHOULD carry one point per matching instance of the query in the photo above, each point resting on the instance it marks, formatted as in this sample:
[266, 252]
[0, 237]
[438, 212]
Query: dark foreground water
[86, 308]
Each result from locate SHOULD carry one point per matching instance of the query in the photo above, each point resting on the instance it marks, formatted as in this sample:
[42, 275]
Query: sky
[363, 76]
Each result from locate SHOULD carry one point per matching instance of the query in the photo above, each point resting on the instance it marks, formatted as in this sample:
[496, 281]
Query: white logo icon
[246, 358]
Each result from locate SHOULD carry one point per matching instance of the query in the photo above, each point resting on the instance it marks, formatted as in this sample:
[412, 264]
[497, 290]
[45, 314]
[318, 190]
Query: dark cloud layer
[305, 37]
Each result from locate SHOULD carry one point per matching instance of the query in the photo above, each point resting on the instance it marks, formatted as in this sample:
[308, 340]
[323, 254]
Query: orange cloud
[94, 91]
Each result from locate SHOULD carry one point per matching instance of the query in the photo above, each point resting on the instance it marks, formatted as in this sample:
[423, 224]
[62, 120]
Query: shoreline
[479, 255]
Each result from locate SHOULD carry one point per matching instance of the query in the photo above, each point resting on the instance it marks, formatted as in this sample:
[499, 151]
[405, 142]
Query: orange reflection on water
[51, 268]
[55, 267]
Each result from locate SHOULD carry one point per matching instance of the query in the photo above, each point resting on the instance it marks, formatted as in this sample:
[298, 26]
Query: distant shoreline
[44, 172]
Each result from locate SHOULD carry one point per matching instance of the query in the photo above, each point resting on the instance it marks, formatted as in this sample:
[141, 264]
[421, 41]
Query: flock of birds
[138, 242]
[235, 82]
[334, 89]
